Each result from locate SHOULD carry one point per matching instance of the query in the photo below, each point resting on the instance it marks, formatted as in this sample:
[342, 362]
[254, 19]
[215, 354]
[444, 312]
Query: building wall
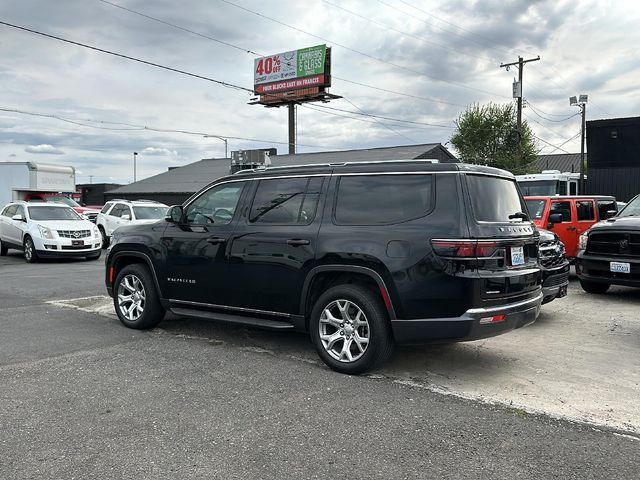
[94, 193]
[613, 163]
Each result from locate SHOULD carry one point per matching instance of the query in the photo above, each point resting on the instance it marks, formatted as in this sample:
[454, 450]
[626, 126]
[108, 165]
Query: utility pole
[292, 128]
[517, 93]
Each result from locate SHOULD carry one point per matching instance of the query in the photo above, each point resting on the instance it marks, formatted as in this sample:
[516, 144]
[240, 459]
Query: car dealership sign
[307, 67]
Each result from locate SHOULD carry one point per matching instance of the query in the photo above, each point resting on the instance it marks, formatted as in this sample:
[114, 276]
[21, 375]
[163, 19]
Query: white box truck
[22, 180]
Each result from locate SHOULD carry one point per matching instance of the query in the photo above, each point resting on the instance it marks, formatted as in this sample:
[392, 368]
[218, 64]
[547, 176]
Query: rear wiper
[521, 215]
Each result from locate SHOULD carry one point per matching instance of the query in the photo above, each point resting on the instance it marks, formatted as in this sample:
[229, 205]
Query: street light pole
[581, 101]
[135, 155]
[226, 153]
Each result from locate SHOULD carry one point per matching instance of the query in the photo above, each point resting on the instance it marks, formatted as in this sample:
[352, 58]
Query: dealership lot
[84, 394]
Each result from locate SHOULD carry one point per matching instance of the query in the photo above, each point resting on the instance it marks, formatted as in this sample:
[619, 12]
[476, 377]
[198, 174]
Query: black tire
[30, 254]
[3, 249]
[95, 256]
[152, 311]
[593, 287]
[105, 239]
[380, 339]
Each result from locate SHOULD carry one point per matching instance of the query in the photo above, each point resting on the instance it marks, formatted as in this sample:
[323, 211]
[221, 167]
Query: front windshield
[538, 188]
[536, 208]
[52, 213]
[632, 209]
[150, 213]
[64, 200]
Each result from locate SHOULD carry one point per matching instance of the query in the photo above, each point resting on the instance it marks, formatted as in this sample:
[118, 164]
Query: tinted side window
[10, 211]
[286, 201]
[573, 188]
[216, 206]
[126, 211]
[20, 211]
[116, 211]
[382, 199]
[585, 210]
[563, 208]
[106, 207]
[604, 206]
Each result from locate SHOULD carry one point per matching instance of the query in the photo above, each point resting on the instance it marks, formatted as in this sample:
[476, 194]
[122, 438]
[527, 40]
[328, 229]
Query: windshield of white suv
[53, 213]
[539, 188]
[149, 213]
[632, 209]
[64, 200]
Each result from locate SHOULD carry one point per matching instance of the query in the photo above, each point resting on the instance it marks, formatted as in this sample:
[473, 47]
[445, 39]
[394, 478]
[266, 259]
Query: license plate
[517, 256]
[77, 243]
[620, 267]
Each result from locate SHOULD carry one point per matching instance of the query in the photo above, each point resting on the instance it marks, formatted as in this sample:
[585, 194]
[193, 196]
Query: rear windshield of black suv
[494, 199]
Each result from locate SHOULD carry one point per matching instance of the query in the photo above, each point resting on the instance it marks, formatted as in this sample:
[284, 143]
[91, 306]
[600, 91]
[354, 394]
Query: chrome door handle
[298, 241]
[216, 240]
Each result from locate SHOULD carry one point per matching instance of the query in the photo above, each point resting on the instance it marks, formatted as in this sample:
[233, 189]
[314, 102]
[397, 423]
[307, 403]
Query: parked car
[89, 213]
[360, 255]
[555, 266]
[47, 230]
[610, 251]
[570, 216]
[126, 212]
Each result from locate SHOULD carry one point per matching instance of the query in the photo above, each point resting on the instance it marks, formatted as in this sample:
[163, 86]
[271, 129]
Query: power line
[372, 57]
[157, 129]
[115, 54]
[251, 52]
[382, 117]
[531, 107]
[222, 42]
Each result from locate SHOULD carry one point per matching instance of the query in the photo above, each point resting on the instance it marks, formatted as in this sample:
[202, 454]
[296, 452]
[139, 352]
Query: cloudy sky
[414, 61]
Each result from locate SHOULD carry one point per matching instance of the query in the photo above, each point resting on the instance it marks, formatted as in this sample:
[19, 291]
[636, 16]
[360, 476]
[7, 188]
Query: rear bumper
[597, 269]
[467, 326]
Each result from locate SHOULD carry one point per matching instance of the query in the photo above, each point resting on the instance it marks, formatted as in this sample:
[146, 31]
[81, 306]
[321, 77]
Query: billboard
[293, 70]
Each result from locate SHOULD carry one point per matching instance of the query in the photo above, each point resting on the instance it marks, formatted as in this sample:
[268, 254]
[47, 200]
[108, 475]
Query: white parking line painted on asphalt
[98, 304]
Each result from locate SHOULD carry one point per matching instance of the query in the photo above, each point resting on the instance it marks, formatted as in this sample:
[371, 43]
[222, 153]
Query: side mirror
[18, 218]
[553, 219]
[610, 213]
[126, 216]
[174, 214]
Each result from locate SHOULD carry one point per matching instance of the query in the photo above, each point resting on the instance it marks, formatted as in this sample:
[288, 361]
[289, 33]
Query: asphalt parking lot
[84, 397]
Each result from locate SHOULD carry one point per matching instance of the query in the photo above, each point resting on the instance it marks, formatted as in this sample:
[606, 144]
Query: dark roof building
[614, 157]
[178, 184]
[565, 162]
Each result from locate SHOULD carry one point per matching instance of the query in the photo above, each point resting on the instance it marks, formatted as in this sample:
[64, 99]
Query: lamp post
[226, 155]
[135, 155]
[581, 101]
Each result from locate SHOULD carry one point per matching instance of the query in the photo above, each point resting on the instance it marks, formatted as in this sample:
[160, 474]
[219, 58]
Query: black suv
[609, 252]
[360, 255]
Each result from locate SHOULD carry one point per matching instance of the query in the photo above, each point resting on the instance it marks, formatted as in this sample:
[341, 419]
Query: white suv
[127, 212]
[47, 230]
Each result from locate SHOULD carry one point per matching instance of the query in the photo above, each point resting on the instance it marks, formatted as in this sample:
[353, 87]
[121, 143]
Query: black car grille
[74, 233]
[92, 217]
[551, 253]
[614, 243]
[556, 280]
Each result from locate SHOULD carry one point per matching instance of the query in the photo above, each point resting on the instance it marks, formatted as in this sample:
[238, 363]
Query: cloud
[160, 151]
[44, 148]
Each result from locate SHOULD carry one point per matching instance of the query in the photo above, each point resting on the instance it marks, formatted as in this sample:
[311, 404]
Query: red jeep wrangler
[570, 215]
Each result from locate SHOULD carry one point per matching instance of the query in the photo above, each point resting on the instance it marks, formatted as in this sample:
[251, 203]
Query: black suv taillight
[472, 249]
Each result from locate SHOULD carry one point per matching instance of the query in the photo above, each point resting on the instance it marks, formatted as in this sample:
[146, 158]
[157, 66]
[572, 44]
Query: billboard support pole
[292, 128]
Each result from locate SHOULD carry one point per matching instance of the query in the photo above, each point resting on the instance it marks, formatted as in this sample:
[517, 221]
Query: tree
[488, 135]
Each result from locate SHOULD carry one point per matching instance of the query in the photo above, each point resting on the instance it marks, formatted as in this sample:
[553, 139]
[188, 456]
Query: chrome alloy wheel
[28, 250]
[344, 331]
[131, 297]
